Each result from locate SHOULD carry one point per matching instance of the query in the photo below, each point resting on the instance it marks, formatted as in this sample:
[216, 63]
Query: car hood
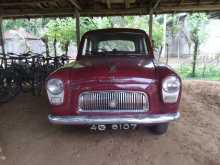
[111, 69]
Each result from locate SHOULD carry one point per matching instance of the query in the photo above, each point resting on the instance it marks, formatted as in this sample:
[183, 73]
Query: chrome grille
[113, 101]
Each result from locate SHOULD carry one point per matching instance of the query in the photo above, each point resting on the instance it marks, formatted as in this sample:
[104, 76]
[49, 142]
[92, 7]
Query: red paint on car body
[114, 73]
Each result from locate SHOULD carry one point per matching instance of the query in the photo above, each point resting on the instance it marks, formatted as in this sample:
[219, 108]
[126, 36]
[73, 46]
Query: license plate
[103, 127]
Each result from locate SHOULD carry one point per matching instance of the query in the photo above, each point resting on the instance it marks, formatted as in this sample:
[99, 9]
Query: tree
[140, 22]
[33, 26]
[87, 24]
[62, 31]
[196, 23]
[45, 41]
[157, 35]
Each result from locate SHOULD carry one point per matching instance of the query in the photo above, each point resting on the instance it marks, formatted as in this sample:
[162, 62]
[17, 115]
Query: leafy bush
[211, 73]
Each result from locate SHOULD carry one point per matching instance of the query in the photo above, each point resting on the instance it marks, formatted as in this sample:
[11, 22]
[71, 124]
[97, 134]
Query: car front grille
[113, 101]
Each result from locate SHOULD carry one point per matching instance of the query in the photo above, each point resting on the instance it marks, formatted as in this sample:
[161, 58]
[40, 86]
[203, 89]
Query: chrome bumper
[119, 119]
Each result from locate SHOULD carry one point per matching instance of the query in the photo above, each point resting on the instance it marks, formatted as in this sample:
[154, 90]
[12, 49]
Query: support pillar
[77, 16]
[1, 36]
[151, 25]
[164, 35]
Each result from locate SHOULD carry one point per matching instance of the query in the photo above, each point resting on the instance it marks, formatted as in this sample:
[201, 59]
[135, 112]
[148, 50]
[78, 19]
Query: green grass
[211, 73]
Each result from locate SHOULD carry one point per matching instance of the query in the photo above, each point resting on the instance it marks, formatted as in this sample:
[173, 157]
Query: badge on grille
[113, 104]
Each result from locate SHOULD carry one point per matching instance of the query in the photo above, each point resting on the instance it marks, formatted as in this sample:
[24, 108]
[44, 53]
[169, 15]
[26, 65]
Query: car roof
[118, 30]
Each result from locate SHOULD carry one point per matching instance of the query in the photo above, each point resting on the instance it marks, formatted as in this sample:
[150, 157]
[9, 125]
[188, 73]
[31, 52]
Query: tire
[159, 129]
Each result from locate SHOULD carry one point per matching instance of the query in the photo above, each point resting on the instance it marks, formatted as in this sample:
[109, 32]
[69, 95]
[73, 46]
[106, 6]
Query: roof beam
[108, 2]
[161, 8]
[9, 4]
[127, 4]
[40, 6]
[70, 12]
[155, 6]
[185, 3]
[188, 8]
[76, 4]
[181, 2]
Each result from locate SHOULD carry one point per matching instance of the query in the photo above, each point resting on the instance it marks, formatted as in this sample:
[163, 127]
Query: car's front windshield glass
[114, 43]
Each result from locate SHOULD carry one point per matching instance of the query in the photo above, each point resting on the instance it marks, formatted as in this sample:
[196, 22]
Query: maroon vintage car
[115, 82]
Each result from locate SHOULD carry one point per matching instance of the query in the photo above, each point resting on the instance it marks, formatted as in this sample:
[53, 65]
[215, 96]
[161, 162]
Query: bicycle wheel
[9, 88]
[38, 81]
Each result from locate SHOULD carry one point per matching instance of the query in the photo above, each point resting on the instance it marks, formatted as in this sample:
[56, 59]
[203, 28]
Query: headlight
[55, 86]
[170, 89]
[55, 91]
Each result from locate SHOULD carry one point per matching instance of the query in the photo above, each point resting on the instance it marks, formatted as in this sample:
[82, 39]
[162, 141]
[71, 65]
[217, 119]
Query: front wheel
[159, 129]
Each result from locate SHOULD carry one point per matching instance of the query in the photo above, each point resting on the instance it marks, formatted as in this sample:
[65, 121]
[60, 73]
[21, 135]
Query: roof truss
[38, 8]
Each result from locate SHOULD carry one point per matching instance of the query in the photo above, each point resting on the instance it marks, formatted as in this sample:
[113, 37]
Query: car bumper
[119, 119]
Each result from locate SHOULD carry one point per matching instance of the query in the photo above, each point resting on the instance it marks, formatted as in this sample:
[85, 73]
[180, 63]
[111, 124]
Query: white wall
[211, 45]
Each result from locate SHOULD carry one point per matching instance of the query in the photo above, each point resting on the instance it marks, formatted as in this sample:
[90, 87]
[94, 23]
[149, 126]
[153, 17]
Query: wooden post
[164, 35]
[77, 16]
[150, 25]
[178, 50]
[1, 37]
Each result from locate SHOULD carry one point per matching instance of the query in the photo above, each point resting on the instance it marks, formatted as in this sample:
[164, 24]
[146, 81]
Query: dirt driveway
[27, 138]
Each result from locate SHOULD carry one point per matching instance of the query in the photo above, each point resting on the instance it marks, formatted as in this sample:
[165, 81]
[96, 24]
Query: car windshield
[114, 43]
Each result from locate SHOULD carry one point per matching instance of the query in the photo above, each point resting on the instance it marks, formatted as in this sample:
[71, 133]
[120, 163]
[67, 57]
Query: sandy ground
[27, 138]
